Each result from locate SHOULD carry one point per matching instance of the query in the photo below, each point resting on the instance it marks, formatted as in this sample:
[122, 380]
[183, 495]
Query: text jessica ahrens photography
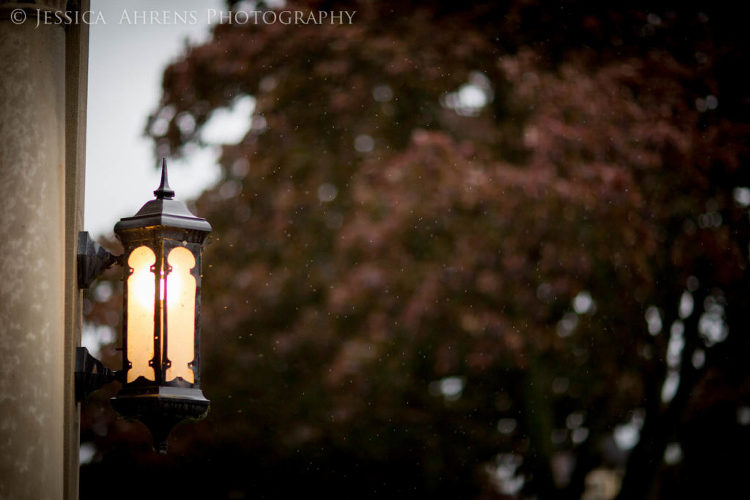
[185, 17]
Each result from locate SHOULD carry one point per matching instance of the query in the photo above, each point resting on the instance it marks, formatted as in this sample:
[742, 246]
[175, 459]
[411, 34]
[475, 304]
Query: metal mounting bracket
[93, 260]
[90, 374]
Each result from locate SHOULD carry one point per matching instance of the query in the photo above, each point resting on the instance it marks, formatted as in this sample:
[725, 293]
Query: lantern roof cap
[164, 211]
[164, 192]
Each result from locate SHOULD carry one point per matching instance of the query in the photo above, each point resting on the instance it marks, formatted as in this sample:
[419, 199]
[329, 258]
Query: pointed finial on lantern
[164, 192]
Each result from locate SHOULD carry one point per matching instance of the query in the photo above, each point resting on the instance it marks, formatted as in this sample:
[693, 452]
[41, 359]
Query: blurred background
[492, 250]
[127, 57]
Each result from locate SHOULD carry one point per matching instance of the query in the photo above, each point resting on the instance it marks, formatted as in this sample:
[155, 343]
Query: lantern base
[160, 408]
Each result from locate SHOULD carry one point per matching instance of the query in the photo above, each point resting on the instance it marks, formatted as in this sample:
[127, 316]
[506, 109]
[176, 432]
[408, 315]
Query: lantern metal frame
[161, 225]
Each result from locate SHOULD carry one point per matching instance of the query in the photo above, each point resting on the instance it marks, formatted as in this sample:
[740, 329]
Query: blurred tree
[469, 251]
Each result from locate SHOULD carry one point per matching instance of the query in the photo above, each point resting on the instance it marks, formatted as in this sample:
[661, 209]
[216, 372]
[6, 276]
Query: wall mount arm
[93, 260]
[91, 374]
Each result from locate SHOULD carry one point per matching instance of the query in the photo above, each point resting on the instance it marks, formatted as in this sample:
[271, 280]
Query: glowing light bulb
[181, 288]
[140, 320]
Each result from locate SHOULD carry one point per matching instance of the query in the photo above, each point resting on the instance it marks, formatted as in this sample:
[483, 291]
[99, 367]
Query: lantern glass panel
[181, 287]
[140, 321]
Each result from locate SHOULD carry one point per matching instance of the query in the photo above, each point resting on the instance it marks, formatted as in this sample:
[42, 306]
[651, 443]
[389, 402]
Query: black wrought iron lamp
[161, 318]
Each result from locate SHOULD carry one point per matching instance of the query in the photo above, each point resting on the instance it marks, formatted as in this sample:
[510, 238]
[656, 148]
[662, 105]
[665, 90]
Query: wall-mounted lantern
[163, 243]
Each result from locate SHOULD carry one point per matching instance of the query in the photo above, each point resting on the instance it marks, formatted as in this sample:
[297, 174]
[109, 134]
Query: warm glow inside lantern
[161, 324]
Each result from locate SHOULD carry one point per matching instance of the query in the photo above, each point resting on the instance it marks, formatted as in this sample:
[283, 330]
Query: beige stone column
[76, 86]
[38, 307]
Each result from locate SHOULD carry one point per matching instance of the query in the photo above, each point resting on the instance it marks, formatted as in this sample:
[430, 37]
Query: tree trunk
[661, 422]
